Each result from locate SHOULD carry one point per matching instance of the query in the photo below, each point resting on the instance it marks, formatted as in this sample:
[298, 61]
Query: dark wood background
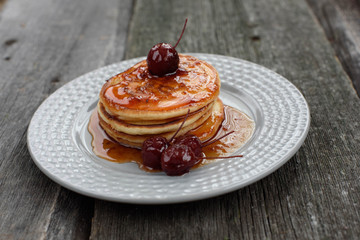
[313, 43]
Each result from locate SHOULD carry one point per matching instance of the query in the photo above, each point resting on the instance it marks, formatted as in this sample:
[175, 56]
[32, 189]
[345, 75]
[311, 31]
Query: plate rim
[188, 197]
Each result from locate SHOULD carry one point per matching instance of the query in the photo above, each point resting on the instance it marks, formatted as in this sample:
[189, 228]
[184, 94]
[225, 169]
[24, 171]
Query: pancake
[210, 118]
[166, 121]
[136, 129]
[135, 95]
[210, 127]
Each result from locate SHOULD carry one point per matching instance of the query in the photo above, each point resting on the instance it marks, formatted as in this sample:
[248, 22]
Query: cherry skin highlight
[152, 150]
[193, 142]
[178, 159]
[163, 58]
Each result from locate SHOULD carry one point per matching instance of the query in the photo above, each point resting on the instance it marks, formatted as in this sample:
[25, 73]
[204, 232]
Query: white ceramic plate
[60, 144]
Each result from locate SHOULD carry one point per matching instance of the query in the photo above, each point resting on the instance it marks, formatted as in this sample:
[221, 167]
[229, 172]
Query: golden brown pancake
[135, 104]
[136, 129]
[213, 117]
[136, 95]
[211, 126]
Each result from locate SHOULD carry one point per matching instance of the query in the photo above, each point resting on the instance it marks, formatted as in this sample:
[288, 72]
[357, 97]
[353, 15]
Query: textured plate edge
[189, 197]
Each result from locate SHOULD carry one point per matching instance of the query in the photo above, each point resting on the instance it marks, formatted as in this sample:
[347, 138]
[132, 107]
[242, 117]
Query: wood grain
[340, 20]
[2, 3]
[314, 195]
[43, 45]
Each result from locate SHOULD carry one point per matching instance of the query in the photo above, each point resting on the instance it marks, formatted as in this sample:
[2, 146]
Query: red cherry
[151, 151]
[177, 160]
[153, 148]
[193, 142]
[163, 59]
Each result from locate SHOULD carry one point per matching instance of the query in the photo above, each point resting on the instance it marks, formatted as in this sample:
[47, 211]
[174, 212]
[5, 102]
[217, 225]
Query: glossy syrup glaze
[234, 120]
[194, 83]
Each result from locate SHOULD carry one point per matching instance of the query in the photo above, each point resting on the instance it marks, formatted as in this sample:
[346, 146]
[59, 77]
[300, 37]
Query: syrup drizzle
[234, 120]
[137, 89]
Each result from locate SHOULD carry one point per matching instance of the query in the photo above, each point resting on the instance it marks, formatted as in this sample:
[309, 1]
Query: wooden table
[313, 43]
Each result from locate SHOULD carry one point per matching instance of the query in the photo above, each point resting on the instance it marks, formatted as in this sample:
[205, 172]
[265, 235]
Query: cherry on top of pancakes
[138, 89]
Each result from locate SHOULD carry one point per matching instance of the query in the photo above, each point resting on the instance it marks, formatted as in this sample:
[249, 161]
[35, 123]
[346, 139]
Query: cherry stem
[182, 124]
[181, 34]
[215, 140]
[221, 157]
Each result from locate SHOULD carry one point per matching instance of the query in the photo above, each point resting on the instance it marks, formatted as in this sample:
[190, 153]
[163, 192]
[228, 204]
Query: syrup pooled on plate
[234, 120]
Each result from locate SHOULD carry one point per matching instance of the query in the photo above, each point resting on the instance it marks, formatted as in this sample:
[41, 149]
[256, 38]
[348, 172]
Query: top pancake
[137, 95]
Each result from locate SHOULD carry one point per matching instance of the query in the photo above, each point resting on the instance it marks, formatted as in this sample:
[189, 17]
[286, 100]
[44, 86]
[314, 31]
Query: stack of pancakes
[135, 105]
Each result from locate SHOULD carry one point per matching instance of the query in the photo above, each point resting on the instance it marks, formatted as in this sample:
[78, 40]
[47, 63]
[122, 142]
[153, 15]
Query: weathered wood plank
[340, 20]
[315, 195]
[2, 3]
[44, 44]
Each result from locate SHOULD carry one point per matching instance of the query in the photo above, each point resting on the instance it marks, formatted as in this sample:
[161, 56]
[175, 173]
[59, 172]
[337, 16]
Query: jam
[234, 120]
